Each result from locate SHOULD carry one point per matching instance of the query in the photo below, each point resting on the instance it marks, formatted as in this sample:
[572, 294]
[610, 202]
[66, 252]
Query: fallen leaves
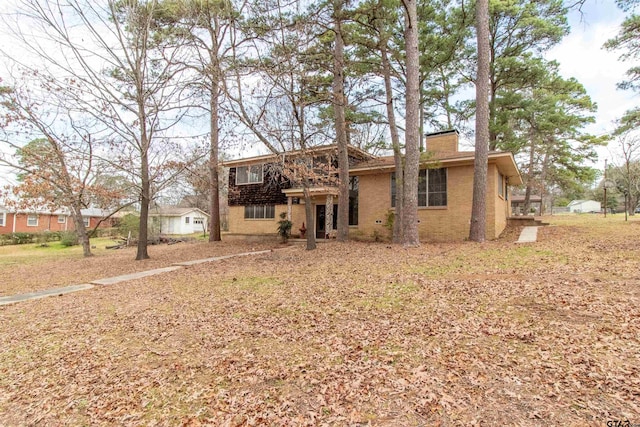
[344, 335]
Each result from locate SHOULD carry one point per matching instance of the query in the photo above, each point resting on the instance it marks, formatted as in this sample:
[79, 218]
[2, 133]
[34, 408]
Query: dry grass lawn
[28, 268]
[349, 334]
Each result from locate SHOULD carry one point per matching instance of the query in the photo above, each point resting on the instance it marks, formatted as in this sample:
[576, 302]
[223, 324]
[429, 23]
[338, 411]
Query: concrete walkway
[528, 235]
[11, 299]
[43, 294]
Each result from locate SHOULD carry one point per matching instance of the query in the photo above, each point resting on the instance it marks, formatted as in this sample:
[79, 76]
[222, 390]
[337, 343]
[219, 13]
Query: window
[32, 220]
[62, 219]
[86, 220]
[432, 188]
[198, 220]
[260, 212]
[437, 186]
[500, 184]
[3, 219]
[249, 174]
[353, 200]
[187, 219]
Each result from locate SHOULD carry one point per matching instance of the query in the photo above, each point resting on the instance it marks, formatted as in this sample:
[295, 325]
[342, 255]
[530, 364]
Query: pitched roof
[520, 198]
[174, 211]
[90, 212]
[373, 164]
[579, 202]
[95, 212]
[354, 151]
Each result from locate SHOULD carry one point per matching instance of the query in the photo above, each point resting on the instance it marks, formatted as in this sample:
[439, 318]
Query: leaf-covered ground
[349, 334]
[28, 268]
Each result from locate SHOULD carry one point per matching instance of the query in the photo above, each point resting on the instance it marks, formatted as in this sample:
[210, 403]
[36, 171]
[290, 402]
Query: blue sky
[581, 56]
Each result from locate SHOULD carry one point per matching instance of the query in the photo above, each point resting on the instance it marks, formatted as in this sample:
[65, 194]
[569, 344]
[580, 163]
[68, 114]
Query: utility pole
[605, 188]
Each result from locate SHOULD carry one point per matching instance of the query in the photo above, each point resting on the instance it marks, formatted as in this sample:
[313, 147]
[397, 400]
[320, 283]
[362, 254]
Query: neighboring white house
[583, 206]
[172, 220]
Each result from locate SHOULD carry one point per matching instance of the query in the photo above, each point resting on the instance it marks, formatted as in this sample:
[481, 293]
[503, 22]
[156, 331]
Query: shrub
[284, 227]
[53, 236]
[129, 223]
[69, 238]
[46, 237]
[21, 238]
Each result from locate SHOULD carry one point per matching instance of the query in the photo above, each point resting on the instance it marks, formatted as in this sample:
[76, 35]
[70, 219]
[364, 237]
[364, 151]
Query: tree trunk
[214, 203]
[493, 136]
[395, 143]
[542, 185]
[532, 154]
[145, 200]
[308, 211]
[412, 129]
[421, 139]
[81, 230]
[477, 232]
[340, 125]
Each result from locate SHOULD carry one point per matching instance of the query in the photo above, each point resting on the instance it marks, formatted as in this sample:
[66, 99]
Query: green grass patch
[489, 261]
[34, 253]
[517, 258]
[254, 283]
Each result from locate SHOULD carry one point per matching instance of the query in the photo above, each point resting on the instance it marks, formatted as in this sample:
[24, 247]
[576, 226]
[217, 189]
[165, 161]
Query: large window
[3, 219]
[32, 220]
[249, 174]
[260, 212]
[86, 221]
[432, 188]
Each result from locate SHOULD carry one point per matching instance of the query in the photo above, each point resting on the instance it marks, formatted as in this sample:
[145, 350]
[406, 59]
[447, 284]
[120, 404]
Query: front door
[320, 220]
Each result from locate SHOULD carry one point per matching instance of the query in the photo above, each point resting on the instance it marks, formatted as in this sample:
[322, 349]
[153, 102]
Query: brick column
[328, 215]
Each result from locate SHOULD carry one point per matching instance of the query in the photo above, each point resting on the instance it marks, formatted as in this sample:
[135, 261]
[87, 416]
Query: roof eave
[269, 157]
[505, 161]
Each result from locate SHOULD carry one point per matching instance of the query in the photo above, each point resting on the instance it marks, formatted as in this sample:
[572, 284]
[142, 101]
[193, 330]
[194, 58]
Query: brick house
[36, 221]
[445, 193]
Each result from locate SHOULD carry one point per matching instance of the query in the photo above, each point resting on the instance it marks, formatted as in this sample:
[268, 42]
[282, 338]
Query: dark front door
[320, 220]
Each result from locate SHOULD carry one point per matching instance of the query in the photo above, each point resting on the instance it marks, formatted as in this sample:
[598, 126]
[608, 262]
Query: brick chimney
[442, 142]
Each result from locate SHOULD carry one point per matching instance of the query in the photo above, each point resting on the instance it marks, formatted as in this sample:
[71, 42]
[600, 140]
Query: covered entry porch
[324, 206]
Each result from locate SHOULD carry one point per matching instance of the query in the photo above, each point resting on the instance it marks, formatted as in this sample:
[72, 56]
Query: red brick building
[12, 221]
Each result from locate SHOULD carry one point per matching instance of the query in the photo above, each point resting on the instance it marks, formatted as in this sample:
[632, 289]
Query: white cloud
[581, 55]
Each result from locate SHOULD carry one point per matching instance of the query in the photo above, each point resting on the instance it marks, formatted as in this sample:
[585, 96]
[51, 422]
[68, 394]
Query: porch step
[524, 221]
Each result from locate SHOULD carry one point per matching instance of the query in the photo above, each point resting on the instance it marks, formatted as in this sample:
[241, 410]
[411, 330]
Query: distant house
[39, 220]
[584, 206]
[175, 220]
[445, 192]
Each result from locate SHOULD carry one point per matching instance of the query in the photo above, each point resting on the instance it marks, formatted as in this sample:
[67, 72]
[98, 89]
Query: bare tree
[54, 151]
[130, 78]
[208, 29]
[626, 170]
[281, 111]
